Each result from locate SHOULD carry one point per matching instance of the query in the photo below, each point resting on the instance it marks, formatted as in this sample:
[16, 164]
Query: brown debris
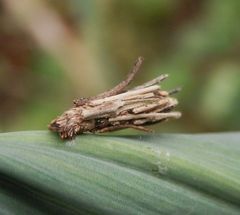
[118, 109]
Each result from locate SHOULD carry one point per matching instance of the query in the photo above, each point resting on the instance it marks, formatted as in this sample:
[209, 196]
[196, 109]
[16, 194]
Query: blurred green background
[52, 52]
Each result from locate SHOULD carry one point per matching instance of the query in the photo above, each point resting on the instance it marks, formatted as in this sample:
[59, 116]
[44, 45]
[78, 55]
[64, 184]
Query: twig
[152, 82]
[117, 89]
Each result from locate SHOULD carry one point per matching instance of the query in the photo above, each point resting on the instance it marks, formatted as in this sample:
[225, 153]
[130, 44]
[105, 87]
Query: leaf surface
[97, 174]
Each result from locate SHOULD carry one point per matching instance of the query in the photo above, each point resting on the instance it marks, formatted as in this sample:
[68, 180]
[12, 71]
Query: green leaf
[97, 174]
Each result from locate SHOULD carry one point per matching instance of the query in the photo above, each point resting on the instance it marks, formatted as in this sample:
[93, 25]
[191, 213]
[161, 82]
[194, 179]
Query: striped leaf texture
[103, 174]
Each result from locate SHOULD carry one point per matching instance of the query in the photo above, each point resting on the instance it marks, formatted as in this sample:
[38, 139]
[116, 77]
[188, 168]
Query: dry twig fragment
[118, 109]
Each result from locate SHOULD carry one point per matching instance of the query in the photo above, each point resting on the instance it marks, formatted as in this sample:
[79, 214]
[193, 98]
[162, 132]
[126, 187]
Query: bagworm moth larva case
[117, 108]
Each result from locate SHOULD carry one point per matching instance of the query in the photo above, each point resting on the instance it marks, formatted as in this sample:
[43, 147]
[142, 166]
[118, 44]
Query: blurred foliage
[196, 42]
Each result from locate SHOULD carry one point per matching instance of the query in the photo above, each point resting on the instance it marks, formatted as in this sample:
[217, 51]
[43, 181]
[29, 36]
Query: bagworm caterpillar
[118, 108]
